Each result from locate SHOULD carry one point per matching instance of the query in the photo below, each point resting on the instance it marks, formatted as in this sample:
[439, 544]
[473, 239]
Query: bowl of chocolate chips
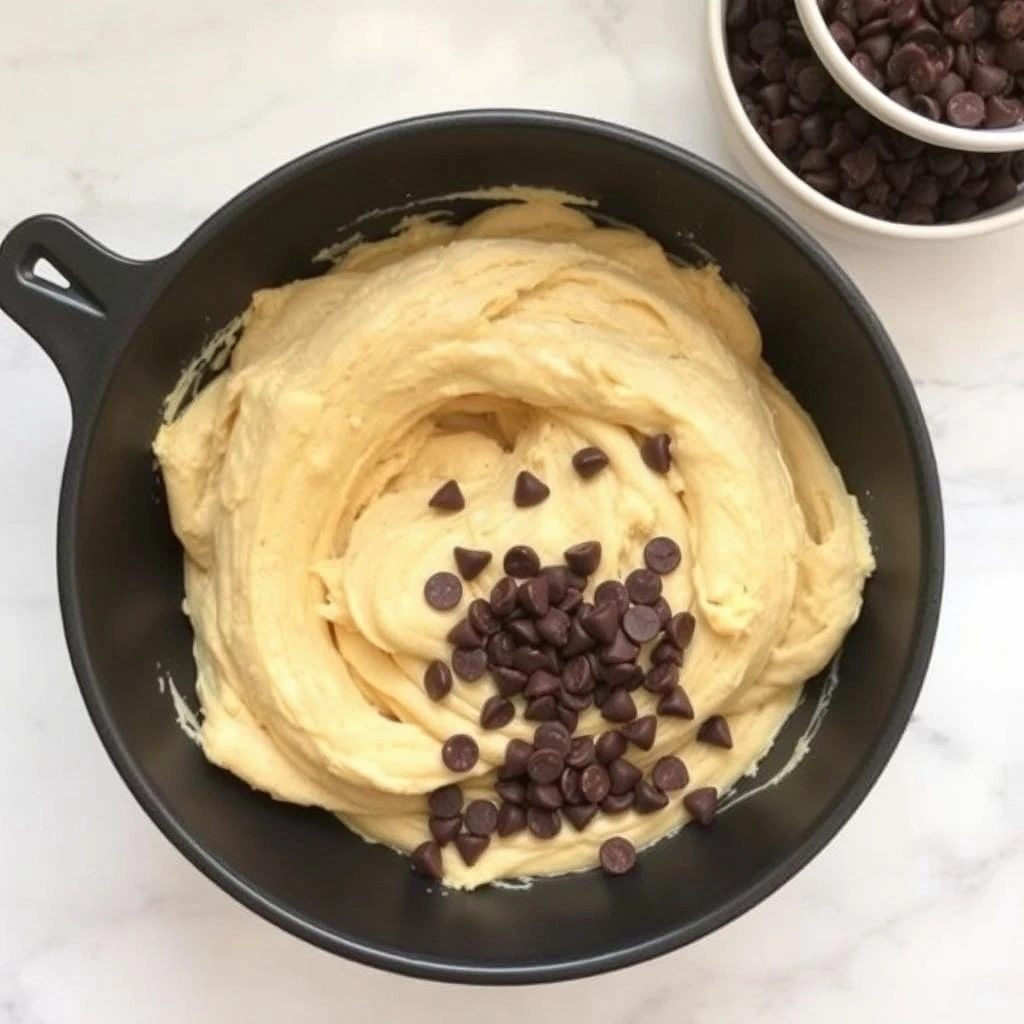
[876, 119]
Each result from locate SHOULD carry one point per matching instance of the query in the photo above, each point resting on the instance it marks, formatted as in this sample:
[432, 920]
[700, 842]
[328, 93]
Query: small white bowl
[812, 209]
[876, 103]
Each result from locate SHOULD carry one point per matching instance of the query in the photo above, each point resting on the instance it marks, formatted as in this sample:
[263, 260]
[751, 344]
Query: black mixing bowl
[120, 335]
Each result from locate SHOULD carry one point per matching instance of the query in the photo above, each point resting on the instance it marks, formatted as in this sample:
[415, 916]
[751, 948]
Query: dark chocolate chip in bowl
[571, 787]
[520, 561]
[670, 773]
[662, 678]
[616, 803]
[553, 736]
[529, 660]
[534, 596]
[543, 683]
[580, 815]
[656, 452]
[444, 830]
[462, 634]
[469, 663]
[512, 791]
[680, 629]
[612, 592]
[641, 732]
[577, 677]
[715, 731]
[471, 562]
[1009, 19]
[543, 709]
[648, 798]
[624, 775]
[553, 627]
[481, 617]
[460, 753]
[662, 555]
[595, 783]
[471, 847]
[619, 707]
[558, 582]
[481, 817]
[620, 650]
[443, 591]
[517, 757]
[497, 712]
[448, 498]
[426, 860]
[609, 746]
[581, 753]
[437, 680]
[602, 622]
[641, 624]
[643, 586]
[509, 681]
[859, 167]
[966, 110]
[542, 791]
[580, 641]
[445, 801]
[529, 490]
[583, 558]
[503, 597]
[702, 804]
[675, 704]
[1003, 113]
[589, 461]
[524, 632]
[617, 856]
[666, 652]
[511, 819]
[543, 824]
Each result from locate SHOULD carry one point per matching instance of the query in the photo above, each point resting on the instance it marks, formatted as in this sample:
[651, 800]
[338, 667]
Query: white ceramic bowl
[876, 103]
[808, 206]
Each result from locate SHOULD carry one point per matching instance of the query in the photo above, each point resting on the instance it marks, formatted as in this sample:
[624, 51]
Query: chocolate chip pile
[550, 654]
[837, 148]
[958, 61]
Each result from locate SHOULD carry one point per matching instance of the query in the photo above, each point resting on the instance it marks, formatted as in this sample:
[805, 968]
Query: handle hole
[44, 270]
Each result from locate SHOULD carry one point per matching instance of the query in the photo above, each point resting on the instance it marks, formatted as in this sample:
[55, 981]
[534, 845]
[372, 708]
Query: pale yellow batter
[299, 479]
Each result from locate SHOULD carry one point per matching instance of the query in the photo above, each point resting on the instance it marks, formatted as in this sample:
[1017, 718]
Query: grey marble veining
[137, 121]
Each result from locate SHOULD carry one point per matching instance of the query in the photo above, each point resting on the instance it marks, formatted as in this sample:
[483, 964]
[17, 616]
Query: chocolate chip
[609, 746]
[469, 663]
[520, 561]
[426, 860]
[641, 731]
[497, 712]
[612, 592]
[643, 586]
[523, 632]
[715, 730]
[471, 847]
[627, 675]
[437, 680]
[533, 596]
[859, 167]
[569, 717]
[543, 824]
[989, 80]
[448, 498]
[511, 791]
[595, 783]
[481, 817]
[445, 801]
[510, 681]
[529, 490]
[616, 803]
[1009, 19]
[1003, 113]
[511, 819]
[665, 652]
[462, 634]
[624, 775]
[571, 602]
[570, 785]
[619, 707]
[620, 650]
[679, 630]
[675, 704]
[471, 562]
[482, 618]
[617, 856]
[459, 753]
[543, 709]
[588, 462]
[647, 798]
[503, 595]
[656, 453]
[641, 624]
[443, 591]
[662, 555]
[574, 701]
[553, 627]
[517, 757]
[581, 753]
[966, 110]
[580, 815]
[583, 558]
[543, 683]
[662, 678]
[546, 796]
[444, 830]
[529, 660]
[577, 677]
[702, 804]
[670, 773]
[602, 622]
[553, 736]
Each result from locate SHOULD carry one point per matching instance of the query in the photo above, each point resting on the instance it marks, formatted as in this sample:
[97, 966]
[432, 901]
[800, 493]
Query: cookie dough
[299, 481]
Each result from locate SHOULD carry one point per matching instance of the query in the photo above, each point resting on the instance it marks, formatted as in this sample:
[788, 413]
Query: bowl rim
[877, 103]
[69, 540]
[982, 224]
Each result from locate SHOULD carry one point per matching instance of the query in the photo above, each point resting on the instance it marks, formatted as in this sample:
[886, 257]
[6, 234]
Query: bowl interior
[301, 868]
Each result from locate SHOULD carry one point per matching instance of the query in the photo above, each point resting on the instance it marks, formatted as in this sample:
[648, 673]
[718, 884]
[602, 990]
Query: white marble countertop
[138, 120]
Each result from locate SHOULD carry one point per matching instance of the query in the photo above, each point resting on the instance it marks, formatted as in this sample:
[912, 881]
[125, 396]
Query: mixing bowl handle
[79, 321]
